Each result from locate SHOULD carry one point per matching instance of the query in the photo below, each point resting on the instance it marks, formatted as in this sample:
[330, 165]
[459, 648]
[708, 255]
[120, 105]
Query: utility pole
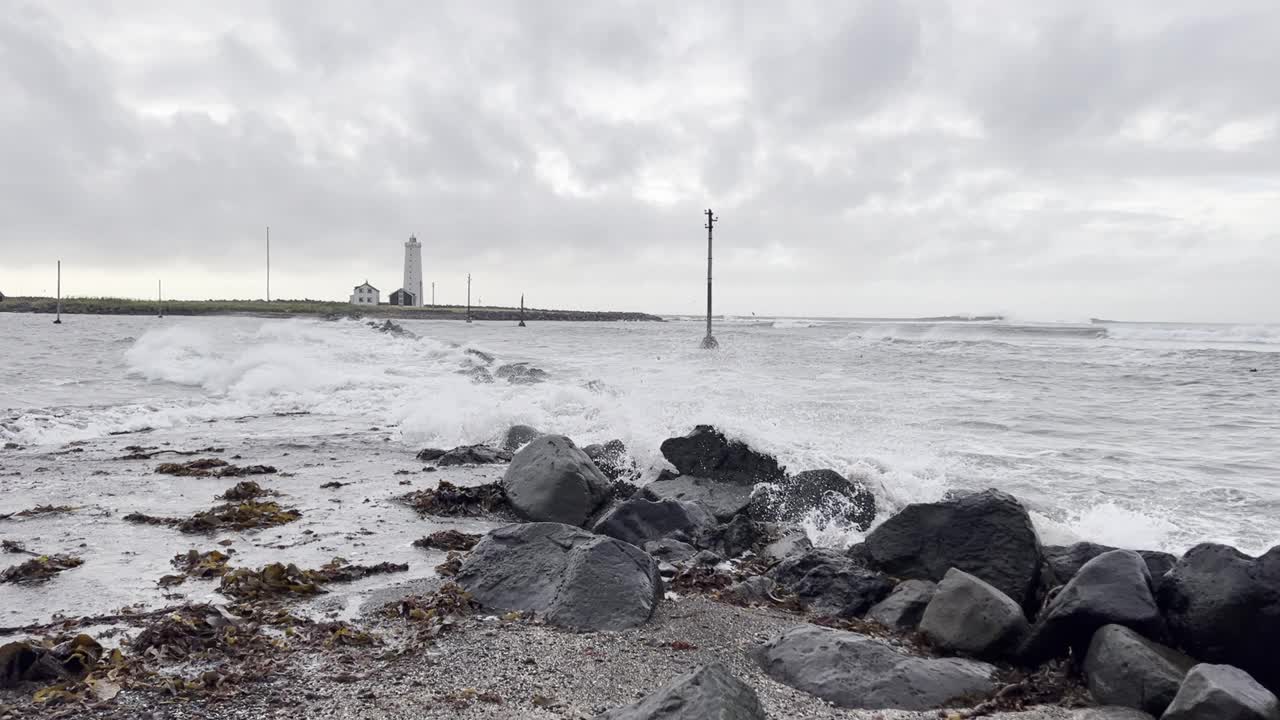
[433, 293]
[159, 298]
[58, 320]
[268, 263]
[709, 342]
[468, 297]
[521, 311]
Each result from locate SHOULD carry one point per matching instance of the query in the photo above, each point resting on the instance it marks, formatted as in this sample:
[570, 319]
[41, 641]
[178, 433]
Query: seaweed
[40, 510]
[212, 467]
[279, 580]
[246, 490]
[196, 564]
[437, 612]
[452, 500]
[39, 569]
[447, 540]
[232, 516]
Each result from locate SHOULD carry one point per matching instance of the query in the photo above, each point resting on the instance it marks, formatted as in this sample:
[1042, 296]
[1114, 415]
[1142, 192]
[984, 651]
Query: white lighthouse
[413, 269]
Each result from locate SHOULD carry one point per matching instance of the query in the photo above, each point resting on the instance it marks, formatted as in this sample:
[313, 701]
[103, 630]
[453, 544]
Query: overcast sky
[1047, 160]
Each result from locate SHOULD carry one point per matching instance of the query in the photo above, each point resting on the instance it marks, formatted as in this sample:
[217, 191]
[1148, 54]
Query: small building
[365, 294]
[404, 297]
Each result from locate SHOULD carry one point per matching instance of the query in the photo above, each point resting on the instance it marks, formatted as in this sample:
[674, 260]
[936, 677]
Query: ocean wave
[1197, 334]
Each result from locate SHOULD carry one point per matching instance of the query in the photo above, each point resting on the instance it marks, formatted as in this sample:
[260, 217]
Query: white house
[365, 294]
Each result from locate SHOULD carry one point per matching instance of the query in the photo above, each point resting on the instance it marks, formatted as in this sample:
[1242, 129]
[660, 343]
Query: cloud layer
[1054, 161]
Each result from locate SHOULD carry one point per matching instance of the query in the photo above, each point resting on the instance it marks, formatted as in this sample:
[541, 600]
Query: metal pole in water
[268, 263]
[433, 293]
[159, 298]
[468, 297]
[522, 311]
[58, 319]
[709, 342]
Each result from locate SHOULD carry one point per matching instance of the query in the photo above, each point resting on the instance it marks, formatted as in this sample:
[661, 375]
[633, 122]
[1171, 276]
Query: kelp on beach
[248, 515]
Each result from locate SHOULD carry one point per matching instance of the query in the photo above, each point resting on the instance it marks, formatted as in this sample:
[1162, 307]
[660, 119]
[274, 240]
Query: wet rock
[1222, 692]
[736, 537]
[612, 459]
[484, 357]
[518, 436]
[904, 606]
[826, 492]
[1224, 607]
[465, 455]
[790, 543]
[723, 499]
[827, 582]
[707, 557]
[450, 500]
[967, 615]
[1113, 588]
[478, 375]
[1124, 668]
[1064, 561]
[573, 578]
[988, 535]
[707, 453]
[671, 551]
[855, 671]
[639, 520]
[521, 373]
[1110, 712]
[755, 590]
[710, 692]
[551, 480]
[447, 540]
[395, 329]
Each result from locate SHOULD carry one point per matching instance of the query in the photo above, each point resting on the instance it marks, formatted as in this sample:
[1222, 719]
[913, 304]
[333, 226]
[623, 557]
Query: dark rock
[518, 436]
[1222, 692]
[723, 499]
[612, 459]
[1124, 668]
[1224, 607]
[827, 492]
[1113, 588]
[484, 357]
[638, 521]
[855, 671]
[707, 557]
[672, 551]
[905, 605]
[755, 590]
[829, 583]
[967, 615]
[551, 480]
[470, 455]
[987, 534]
[789, 544]
[1065, 561]
[706, 452]
[573, 578]
[736, 537]
[708, 693]
[521, 373]
[478, 375]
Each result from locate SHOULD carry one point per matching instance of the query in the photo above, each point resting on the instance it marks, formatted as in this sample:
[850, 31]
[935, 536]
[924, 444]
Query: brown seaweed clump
[74, 663]
[455, 500]
[246, 490]
[247, 515]
[212, 467]
[279, 580]
[437, 612]
[39, 510]
[447, 540]
[39, 569]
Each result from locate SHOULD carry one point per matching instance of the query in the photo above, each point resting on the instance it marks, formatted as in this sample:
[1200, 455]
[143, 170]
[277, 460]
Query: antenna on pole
[58, 319]
[709, 342]
[521, 311]
[268, 263]
[468, 297]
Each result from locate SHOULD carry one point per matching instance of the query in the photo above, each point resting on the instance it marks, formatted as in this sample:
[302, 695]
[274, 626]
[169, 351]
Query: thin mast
[159, 298]
[709, 342]
[522, 310]
[468, 297]
[58, 319]
[268, 263]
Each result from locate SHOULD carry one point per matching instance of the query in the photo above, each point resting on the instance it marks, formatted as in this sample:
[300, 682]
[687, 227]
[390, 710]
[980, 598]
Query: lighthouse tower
[413, 269]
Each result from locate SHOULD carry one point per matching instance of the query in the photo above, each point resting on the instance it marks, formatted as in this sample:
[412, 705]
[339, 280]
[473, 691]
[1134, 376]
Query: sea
[1139, 435]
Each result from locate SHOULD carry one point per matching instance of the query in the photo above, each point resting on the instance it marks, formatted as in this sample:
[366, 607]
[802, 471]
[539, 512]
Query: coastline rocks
[706, 452]
[966, 615]
[1224, 607]
[573, 578]
[710, 692]
[520, 373]
[672, 551]
[905, 606]
[551, 480]
[988, 535]
[754, 590]
[828, 492]
[1064, 561]
[790, 543]
[723, 499]
[472, 455]
[1110, 712]
[518, 436]
[855, 671]
[829, 583]
[611, 458]
[736, 537]
[1222, 692]
[1124, 668]
[1113, 588]
[639, 520]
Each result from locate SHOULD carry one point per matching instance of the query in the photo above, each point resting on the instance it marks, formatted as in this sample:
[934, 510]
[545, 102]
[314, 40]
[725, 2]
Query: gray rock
[1124, 668]
[755, 590]
[669, 550]
[988, 535]
[1224, 607]
[855, 671]
[519, 436]
[706, 452]
[612, 459]
[1222, 692]
[905, 606]
[472, 455]
[1113, 588]
[827, 492]
[1065, 561]
[521, 373]
[790, 543]
[1110, 713]
[710, 692]
[736, 537]
[829, 583]
[707, 557]
[967, 615]
[573, 578]
[640, 520]
[551, 480]
[723, 499]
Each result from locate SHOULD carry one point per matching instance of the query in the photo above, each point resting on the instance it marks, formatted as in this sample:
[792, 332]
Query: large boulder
[671, 551]
[826, 492]
[905, 606]
[1113, 588]
[967, 615]
[1064, 561]
[1222, 692]
[855, 671]
[736, 537]
[710, 692]
[612, 459]
[1124, 668]
[518, 436]
[573, 578]
[724, 499]
[1224, 607]
[987, 534]
[706, 452]
[829, 583]
[792, 541]
[639, 520]
[551, 480]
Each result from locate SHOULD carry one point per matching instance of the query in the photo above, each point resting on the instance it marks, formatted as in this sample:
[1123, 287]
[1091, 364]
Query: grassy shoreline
[293, 308]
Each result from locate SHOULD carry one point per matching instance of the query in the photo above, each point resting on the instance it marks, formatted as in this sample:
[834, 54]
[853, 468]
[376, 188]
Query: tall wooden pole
[709, 342]
[468, 297]
[58, 320]
[159, 298]
[522, 310]
[268, 263]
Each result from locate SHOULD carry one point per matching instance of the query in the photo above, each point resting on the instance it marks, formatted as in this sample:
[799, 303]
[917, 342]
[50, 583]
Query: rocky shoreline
[695, 595]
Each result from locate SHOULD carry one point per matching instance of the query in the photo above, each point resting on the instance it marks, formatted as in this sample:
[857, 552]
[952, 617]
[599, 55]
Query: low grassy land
[289, 308]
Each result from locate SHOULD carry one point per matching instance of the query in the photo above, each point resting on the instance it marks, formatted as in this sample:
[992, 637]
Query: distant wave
[1238, 334]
